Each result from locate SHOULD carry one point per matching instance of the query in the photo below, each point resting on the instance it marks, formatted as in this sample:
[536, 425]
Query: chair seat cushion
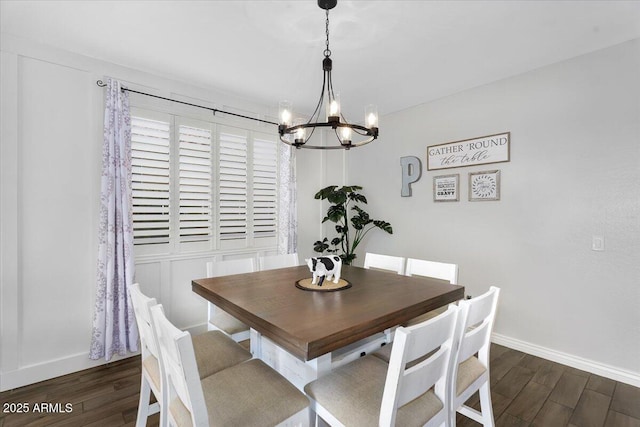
[249, 394]
[227, 323]
[384, 353]
[468, 371]
[353, 394]
[426, 316]
[215, 351]
[152, 367]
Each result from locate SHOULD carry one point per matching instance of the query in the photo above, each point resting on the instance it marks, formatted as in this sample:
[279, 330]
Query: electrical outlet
[597, 243]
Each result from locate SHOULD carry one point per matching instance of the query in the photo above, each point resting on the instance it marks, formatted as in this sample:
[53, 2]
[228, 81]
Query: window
[233, 186]
[195, 182]
[200, 186]
[150, 181]
[265, 186]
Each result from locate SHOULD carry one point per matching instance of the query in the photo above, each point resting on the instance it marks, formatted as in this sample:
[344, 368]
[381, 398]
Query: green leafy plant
[352, 228]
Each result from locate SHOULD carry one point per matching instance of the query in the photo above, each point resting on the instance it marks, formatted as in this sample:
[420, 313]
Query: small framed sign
[484, 186]
[446, 188]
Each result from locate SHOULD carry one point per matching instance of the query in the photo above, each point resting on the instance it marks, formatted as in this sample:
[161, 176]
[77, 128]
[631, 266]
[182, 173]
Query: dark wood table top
[309, 324]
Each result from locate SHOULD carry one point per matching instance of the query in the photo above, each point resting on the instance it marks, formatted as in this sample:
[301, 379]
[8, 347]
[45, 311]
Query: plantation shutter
[265, 161]
[233, 185]
[195, 194]
[150, 180]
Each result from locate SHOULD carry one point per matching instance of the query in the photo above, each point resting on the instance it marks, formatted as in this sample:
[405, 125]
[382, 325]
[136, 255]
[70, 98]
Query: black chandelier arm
[371, 133]
[292, 129]
[328, 147]
[316, 112]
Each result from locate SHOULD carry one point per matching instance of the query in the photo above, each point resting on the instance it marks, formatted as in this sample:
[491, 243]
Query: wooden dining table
[296, 330]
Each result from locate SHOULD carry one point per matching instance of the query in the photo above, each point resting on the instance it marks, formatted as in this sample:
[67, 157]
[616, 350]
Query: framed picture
[484, 186]
[446, 188]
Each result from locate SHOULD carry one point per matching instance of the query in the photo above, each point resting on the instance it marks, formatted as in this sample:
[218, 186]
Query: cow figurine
[325, 267]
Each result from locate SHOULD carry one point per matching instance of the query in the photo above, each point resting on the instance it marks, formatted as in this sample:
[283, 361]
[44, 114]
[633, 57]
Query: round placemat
[327, 285]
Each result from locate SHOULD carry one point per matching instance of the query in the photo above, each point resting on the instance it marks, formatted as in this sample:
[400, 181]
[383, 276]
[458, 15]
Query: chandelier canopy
[296, 132]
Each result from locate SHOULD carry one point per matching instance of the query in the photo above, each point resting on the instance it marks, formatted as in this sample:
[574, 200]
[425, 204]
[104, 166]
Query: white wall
[574, 173]
[50, 162]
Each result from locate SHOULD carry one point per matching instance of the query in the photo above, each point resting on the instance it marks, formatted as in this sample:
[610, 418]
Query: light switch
[597, 243]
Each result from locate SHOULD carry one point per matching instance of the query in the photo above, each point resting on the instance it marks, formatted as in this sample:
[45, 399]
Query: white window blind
[265, 173]
[150, 180]
[195, 165]
[233, 185]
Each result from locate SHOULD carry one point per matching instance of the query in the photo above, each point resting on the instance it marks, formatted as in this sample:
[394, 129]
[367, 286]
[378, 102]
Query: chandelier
[297, 132]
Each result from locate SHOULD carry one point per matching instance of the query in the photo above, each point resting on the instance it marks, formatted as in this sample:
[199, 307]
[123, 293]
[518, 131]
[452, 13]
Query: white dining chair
[214, 352]
[433, 269]
[271, 262]
[384, 262]
[411, 390]
[218, 318]
[437, 270]
[470, 373]
[376, 342]
[248, 394]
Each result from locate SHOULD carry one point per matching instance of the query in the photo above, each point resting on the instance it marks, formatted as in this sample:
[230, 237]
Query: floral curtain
[287, 217]
[114, 325]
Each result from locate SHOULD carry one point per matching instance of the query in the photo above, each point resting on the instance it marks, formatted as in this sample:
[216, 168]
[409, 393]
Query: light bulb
[371, 116]
[285, 113]
[371, 120]
[285, 116]
[333, 109]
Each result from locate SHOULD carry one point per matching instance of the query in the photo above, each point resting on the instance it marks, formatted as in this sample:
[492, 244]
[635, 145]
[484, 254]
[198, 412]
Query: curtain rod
[215, 110]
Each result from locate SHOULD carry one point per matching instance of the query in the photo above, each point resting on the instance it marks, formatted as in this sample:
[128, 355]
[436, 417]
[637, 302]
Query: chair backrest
[179, 361]
[141, 306]
[271, 262]
[229, 267]
[437, 270]
[384, 262]
[475, 326]
[430, 344]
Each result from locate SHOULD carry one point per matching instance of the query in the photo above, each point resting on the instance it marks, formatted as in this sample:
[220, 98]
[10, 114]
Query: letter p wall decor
[411, 172]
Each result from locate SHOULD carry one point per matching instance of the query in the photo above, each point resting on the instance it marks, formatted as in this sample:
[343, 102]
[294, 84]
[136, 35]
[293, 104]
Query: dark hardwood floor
[526, 391]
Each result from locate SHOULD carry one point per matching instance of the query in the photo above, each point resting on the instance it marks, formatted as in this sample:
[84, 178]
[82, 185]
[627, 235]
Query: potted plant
[351, 229]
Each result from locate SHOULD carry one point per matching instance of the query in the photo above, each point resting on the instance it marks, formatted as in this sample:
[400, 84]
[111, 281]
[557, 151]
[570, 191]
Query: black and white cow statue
[325, 267]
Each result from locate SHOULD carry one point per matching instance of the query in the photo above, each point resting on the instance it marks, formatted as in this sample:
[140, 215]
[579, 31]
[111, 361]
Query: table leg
[297, 371]
[255, 343]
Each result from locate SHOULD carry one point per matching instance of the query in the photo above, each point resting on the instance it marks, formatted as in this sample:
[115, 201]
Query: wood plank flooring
[526, 391]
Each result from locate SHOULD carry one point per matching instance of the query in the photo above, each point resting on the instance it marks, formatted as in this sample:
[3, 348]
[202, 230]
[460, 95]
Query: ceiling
[395, 54]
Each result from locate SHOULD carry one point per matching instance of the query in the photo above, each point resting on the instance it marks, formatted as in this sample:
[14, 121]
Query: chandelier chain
[327, 51]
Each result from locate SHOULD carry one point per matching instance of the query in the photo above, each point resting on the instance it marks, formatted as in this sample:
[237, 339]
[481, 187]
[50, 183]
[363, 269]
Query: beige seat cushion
[226, 322]
[246, 395]
[468, 371]
[215, 351]
[385, 352]
[353, 394]
[151, 365]
[426, 316]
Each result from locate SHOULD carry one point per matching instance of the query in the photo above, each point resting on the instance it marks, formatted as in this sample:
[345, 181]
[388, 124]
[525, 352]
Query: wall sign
[445, 188]
[469, 152]
[484, 186]
[411, 172]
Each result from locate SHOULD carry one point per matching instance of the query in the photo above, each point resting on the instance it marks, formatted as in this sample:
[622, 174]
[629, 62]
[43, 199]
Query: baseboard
[617, 374]
[31, 374]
